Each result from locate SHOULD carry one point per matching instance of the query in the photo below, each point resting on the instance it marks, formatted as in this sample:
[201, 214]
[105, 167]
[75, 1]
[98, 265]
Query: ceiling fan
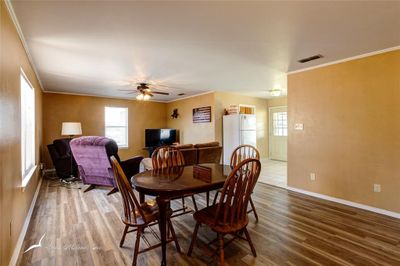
[145, 92]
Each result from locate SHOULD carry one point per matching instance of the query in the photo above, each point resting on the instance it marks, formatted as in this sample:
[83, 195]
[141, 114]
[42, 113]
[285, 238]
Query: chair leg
[178, 248]
[215, 197]
[193, 239]
[112, 191]
[253, 250]
[137, 243]
[90, 187]
[183, 202]
[208, 198]
[253, 209]
[194, 203]
[168, 232]
[121, 243]
[221, 249]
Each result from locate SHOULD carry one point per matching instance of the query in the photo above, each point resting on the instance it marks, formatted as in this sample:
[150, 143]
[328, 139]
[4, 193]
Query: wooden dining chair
[241, 153]
[167, 157]
[229, 216]
[138, 215]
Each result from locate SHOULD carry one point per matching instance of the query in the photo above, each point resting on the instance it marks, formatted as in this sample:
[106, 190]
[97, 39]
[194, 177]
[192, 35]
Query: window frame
[27, 172]
[126, 126]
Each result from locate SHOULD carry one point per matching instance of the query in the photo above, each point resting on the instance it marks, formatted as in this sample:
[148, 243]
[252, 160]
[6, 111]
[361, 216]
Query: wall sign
[202, 114]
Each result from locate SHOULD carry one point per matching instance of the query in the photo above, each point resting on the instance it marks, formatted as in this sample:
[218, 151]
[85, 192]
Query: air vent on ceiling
[181, 94]
[308, 59]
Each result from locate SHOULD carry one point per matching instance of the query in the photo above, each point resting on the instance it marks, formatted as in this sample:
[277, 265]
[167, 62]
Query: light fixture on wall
[174, 114]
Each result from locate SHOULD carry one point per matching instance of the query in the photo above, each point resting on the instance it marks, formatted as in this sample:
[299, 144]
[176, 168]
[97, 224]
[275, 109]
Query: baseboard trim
[346, 202]
[24, 229]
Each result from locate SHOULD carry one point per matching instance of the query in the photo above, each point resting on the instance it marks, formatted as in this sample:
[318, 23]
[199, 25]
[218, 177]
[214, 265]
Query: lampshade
[71, 128]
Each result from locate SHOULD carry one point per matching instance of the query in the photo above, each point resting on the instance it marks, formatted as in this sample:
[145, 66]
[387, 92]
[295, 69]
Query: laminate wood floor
[85, 228]
[273, 173]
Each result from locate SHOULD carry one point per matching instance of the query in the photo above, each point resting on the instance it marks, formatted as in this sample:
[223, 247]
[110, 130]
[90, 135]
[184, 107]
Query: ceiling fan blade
[159, 92]
[166, 86]
[128, 90]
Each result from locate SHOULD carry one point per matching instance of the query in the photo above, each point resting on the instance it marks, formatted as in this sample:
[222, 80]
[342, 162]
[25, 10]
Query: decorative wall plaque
[202, 114]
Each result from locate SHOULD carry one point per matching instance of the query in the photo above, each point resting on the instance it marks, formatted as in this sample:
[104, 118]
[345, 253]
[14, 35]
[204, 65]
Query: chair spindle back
[167, 157]
[235, 195]
[130, 202]
[244, 152]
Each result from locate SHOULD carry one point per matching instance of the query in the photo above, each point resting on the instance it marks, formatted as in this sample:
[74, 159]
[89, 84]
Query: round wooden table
[175, 182]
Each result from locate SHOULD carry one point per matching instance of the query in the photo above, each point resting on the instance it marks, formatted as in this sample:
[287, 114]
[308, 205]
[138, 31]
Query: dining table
[170, 183]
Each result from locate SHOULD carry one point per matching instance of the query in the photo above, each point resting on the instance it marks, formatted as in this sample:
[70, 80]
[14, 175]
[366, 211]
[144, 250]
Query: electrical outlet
[41, 166]
[312, 176]
[377, 187]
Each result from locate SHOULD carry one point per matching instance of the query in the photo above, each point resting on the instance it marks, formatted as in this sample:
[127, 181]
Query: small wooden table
[180, 181]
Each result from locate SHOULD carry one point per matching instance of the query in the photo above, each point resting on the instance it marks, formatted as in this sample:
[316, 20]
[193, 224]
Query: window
[27, 129]
[116, 122]
[280, 123]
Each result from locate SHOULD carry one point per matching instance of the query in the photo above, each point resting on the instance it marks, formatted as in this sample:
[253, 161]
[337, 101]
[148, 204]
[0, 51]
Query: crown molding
[346, 59]
[13, 17]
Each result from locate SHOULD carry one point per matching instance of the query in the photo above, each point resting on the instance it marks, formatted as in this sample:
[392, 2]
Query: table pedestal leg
[141, 197]
[162, 207]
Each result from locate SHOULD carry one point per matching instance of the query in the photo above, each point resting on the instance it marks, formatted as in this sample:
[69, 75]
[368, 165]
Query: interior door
[278, 130]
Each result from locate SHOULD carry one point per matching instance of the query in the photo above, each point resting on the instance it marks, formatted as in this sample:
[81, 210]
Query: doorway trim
[270, 128]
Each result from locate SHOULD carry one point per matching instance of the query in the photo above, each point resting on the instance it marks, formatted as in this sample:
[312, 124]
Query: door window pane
[279, 123]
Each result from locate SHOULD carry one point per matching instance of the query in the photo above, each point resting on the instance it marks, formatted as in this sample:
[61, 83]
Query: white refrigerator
[238, 129]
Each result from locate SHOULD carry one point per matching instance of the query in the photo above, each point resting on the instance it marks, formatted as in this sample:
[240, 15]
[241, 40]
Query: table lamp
[71, 129]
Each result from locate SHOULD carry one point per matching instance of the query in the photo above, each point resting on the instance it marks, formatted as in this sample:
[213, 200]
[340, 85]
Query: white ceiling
[93, 48]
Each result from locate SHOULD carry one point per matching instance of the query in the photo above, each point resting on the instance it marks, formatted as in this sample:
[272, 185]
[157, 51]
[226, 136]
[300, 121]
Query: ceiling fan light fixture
[275, 93]
[146, 97]
[140, 97]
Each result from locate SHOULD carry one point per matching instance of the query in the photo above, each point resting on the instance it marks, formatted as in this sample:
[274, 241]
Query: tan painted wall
[14, 201]
[281, 101]
[351, 137]
[58, 108]
[192, 132]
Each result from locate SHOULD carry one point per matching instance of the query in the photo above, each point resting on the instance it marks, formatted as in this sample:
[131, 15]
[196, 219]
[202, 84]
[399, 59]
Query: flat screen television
[159, 137]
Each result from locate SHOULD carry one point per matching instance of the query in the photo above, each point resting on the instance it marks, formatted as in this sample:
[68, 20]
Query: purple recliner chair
[92, 155]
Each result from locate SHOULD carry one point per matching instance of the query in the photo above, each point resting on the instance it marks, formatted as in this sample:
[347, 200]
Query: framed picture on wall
[202, 114]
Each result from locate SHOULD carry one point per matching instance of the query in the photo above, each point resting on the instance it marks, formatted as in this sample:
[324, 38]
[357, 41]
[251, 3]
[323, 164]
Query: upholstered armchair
[60, 154]
[92, 155]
